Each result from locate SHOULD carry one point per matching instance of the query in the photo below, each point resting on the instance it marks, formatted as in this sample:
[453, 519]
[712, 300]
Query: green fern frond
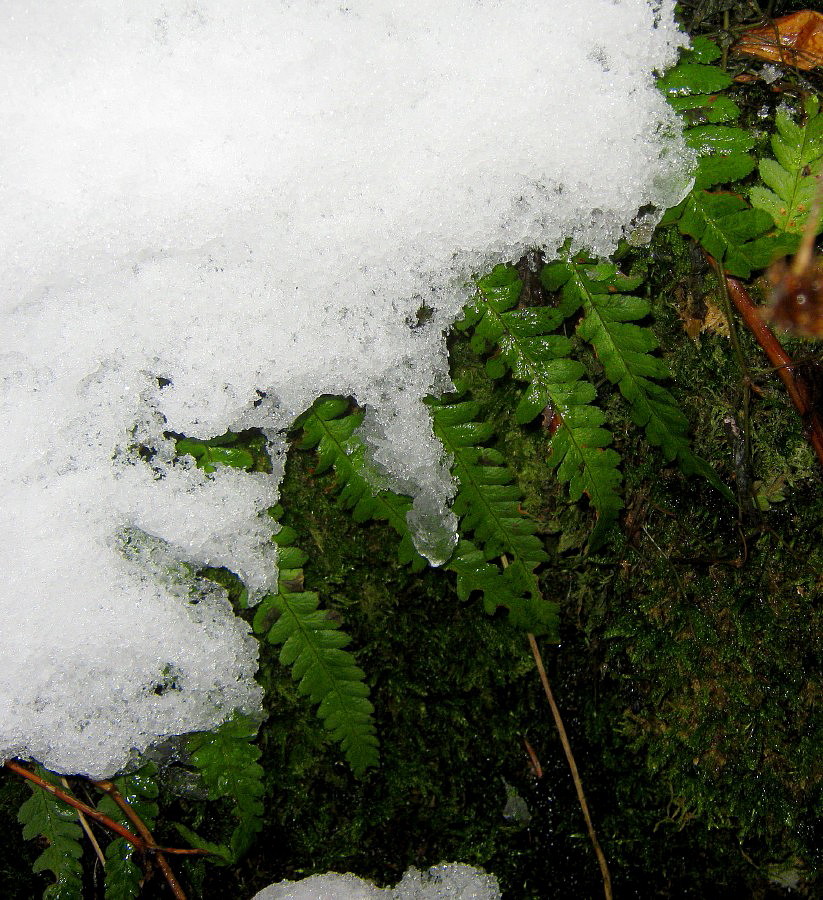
[625, 350]
[123, 877]
[693, 88]
[488, 504]
[740, 238]
[580, 447]
[44, 816]
[475, 573]
[312, 644]
[328, 427]
[791, 177]
[246, 450]
[227, 760]
[730, 231]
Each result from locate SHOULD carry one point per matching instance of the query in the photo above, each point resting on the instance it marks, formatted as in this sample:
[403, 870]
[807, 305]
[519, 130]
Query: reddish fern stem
[111, 789]
[794, 382]
[90, 811]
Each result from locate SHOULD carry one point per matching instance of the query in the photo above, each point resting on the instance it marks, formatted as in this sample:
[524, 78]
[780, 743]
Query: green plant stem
[743, 466]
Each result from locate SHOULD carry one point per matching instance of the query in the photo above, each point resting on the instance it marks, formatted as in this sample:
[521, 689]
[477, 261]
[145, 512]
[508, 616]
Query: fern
[740, 238]
[139, 790]
[487, 503]
[44, 816]
[227, 760]
[329, 428]
[312, 644]
[580, 447]
[624, 349]
[244, 450]
[791, 177]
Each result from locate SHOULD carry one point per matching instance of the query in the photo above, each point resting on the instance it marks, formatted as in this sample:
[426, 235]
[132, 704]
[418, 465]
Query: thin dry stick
[84, 824]
[111, 789]
[558, 721]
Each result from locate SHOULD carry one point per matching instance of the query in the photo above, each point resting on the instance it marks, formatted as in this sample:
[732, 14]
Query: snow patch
[211, 213]
[450, 881]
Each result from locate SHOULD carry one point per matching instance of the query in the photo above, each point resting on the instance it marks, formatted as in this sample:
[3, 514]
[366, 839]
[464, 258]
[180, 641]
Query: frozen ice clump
[322, 887]
[450, 881]
[211, 213]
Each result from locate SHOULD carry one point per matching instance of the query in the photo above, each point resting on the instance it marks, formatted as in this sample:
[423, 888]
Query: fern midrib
[557, 405]
[465, 477]
[591, 308]
[798, 177]
[316, 652]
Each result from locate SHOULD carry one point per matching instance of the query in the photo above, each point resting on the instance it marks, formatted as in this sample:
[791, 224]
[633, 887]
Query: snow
[450, 881]
[211, 212]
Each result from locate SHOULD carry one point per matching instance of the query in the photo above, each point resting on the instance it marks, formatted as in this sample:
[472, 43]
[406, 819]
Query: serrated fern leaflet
[580, 449]
[313, 645]
[624, 349]
[742, 239]
[791, 178]
[44, 816]
[488, 504]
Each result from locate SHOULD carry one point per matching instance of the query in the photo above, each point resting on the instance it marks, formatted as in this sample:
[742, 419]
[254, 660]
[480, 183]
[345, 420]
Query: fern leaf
[45, 816]
[228, 449]
[693, 78]
[498, 588]
[312, 644]
[699, 109]
[740, 238]
[329, 428]
[694, 89]
[123, 877]
[488, 504]
[790, 178]
[624, 348]
[227, 760]
[733, 233]
[580, 448]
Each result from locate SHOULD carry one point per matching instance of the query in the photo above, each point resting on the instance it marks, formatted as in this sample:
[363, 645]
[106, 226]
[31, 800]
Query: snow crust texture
[211, 212]
[450, 881]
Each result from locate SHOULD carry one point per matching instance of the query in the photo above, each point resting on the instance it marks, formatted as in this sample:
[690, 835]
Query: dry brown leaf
[795, 40]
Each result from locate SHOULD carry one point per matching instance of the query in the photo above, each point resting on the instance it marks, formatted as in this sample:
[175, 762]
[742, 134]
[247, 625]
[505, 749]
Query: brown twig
[111, 789]
[92, 813]
[564, 740]
[796, 386]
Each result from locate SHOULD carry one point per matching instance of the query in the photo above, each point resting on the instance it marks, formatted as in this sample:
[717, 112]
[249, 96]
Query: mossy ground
[688, 669]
